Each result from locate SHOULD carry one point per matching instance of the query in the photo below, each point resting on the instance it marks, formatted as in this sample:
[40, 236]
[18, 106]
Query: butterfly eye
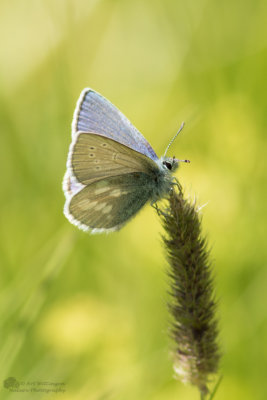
[167, 164]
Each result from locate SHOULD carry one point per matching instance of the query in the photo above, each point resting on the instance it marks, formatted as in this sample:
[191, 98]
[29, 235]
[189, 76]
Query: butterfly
[112, 171]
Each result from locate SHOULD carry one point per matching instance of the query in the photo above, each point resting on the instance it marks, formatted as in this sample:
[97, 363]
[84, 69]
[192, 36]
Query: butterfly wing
[93, 157]
[108, 204]
[96, 114]
[111, 168]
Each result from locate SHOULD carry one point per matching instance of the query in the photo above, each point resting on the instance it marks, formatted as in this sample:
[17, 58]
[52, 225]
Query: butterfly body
[112, 171]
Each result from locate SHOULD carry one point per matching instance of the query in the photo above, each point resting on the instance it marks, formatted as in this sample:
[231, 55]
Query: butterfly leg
[177, 183]
[159, 212]
[155, 206]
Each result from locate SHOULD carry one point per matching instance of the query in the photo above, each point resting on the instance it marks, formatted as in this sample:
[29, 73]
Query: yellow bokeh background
[90, 310]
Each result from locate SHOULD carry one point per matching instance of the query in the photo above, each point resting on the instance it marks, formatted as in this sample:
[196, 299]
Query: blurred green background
[90, 311]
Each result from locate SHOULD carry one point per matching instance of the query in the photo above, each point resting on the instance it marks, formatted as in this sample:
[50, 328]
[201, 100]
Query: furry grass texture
[192, 305]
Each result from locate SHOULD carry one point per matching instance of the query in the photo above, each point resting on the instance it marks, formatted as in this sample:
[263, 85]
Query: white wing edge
[68, 165]
[77, 111]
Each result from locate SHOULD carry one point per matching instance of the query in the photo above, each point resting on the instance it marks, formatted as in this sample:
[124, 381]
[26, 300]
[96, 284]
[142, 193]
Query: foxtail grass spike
[192, 305]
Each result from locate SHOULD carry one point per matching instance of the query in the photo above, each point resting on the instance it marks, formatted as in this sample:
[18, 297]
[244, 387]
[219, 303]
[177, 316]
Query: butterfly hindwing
[94, 157]
[96, 114]
[107, 204]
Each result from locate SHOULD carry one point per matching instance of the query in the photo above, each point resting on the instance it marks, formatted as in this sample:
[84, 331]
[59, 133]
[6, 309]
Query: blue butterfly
[112, 171]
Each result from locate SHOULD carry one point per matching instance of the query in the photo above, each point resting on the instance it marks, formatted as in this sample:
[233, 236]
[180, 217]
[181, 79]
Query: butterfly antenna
[175, 136]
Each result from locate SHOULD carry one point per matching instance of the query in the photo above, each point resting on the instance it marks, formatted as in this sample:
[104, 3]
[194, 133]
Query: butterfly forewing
[95, 157]
[109, 203]
[96, 114]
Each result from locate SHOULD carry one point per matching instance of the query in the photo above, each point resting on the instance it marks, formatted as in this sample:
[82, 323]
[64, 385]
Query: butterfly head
[171, 163]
